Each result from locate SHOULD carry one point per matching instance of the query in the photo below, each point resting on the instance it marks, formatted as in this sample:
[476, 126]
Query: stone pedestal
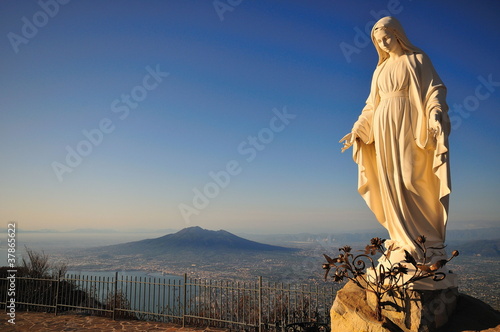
[354, 310]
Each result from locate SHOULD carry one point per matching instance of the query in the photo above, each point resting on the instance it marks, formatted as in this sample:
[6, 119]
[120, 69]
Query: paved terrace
[470, 317]
[43, 322]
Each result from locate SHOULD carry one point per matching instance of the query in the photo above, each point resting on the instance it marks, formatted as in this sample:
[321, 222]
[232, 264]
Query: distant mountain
[453, 237]
[485, 248]
[194, 239]
[488, 233]
[336, 239]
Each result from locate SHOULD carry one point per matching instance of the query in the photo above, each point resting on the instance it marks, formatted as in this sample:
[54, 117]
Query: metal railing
[258, 305]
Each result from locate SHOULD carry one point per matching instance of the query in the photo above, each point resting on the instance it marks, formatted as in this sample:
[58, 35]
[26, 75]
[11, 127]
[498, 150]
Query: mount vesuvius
[191, 240]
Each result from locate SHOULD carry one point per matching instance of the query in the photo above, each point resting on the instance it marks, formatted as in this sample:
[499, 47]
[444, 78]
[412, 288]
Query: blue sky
[68, 70]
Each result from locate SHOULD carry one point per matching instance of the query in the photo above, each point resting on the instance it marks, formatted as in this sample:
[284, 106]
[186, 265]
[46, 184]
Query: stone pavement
[44, 322]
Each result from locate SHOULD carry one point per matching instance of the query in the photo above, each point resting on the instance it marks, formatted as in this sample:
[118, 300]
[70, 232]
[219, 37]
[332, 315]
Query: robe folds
[403, 170]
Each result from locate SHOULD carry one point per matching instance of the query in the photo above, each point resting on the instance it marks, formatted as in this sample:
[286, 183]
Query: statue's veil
[392, 24]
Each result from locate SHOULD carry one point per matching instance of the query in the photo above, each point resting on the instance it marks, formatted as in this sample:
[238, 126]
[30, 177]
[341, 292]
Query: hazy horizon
[49, 239]
[240, 230]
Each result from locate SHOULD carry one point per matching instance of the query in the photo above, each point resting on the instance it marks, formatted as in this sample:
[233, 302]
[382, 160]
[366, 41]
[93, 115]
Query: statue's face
[386, 40]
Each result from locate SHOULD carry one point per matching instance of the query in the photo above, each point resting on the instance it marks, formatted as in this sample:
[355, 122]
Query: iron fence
[257, 305]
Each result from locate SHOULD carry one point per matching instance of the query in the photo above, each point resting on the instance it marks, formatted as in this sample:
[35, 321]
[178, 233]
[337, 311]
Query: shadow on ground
[472, 314]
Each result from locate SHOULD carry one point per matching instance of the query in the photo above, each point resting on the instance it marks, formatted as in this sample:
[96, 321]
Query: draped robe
[403, 170]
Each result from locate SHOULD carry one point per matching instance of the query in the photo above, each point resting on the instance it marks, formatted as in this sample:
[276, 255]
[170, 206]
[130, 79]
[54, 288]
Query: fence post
[57, 290]
[184, 302]
[115, 294]
[260, 303]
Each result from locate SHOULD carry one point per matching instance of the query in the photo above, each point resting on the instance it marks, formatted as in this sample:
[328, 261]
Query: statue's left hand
[435, 128]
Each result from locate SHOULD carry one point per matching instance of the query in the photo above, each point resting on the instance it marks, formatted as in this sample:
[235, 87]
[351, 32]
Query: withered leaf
[424, 268]
[329, 259]
[439, 264]
[410, 259]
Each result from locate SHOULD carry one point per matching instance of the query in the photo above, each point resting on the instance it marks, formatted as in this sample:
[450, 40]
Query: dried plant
[396, 276]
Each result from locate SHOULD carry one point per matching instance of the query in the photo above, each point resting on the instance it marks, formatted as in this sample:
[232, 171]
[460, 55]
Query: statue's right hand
[348, 140]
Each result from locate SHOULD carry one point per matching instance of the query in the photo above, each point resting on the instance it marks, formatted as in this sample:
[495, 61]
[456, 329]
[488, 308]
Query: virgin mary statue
[401, 144]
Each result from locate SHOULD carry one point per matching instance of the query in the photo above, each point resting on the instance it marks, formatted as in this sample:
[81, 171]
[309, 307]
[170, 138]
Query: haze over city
[163, 115]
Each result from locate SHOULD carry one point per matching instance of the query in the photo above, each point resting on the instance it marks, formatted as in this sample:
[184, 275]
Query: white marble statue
[401, 143]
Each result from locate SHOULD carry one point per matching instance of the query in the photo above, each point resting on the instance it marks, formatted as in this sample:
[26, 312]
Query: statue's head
[391, 28]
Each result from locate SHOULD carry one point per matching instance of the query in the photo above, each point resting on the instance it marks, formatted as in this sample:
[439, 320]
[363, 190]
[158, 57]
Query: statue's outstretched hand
[348, 140]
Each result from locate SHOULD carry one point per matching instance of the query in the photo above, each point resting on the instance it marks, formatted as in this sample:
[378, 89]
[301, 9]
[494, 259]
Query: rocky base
[419, 311]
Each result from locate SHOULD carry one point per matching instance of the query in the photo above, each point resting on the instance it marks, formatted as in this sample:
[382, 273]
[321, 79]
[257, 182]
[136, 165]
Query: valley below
[288, 259]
